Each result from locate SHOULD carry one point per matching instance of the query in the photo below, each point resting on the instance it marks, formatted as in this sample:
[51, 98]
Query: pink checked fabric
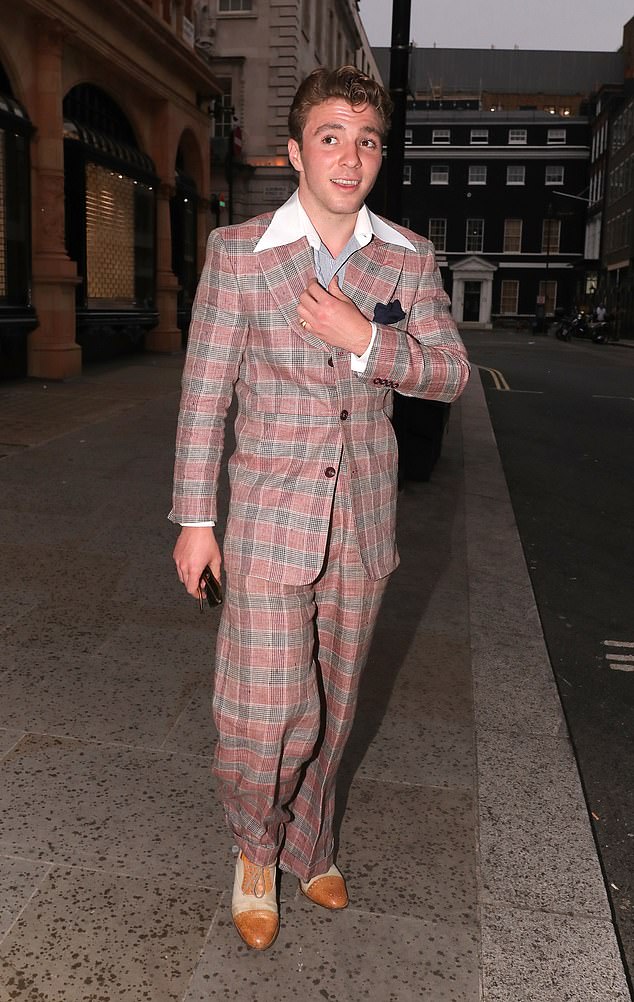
[300, 405]
[288, 663]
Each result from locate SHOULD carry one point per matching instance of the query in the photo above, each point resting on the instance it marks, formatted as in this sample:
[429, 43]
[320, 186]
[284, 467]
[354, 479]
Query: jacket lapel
[288, 270]
[372, 275]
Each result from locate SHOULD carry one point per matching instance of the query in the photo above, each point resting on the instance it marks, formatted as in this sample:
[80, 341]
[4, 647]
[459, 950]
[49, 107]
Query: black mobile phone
[212, 589]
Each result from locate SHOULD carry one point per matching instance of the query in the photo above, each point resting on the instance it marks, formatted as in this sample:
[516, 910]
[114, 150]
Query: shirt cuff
[358, 363]
[197, 525]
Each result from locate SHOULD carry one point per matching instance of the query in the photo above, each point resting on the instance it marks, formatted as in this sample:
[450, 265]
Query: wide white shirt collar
[290, 223]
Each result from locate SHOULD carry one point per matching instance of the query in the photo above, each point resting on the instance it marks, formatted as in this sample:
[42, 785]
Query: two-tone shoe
[328, 889]
[254, 903]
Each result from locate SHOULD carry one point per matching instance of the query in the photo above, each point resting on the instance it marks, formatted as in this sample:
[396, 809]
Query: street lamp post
[399, 65]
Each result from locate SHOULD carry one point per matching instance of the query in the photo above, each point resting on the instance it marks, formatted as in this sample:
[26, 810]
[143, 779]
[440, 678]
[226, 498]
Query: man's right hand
[196, 547]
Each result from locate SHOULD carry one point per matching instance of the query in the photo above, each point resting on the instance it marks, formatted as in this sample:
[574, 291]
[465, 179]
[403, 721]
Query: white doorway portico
[472, 292]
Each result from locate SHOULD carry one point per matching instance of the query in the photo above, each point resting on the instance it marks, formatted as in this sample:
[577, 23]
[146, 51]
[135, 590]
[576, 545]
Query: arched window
[110, 201]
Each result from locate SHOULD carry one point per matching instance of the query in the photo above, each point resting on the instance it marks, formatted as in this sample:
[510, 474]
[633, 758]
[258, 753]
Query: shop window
[110, 205]
[109, 236]
[15, 216]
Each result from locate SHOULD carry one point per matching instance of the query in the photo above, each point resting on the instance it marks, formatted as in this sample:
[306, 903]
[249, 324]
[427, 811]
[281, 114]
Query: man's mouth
[345, 182]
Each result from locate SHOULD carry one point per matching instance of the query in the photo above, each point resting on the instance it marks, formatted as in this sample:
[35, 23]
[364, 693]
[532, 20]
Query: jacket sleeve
[426, 359]
[217, 336]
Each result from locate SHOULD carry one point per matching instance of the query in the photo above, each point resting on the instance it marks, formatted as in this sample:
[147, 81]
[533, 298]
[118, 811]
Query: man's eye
[369, 144]
[329, 140]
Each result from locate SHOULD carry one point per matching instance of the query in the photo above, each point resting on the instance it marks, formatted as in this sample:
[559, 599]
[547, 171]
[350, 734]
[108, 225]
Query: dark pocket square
[388, 313]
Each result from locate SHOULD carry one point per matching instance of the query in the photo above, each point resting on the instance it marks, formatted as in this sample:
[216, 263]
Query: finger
[335, 290]
[313, 291]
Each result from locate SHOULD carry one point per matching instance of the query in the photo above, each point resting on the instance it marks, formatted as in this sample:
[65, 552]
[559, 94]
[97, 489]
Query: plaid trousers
[288, 664]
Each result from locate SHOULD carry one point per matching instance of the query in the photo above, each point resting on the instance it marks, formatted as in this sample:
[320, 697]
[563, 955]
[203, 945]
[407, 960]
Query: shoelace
[255, 874]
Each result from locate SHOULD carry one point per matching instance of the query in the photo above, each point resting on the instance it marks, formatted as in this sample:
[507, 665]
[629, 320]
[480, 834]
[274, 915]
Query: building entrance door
[472, 293]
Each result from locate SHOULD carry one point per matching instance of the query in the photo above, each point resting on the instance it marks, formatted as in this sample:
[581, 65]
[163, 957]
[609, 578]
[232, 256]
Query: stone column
[52, 351]
[166, 336]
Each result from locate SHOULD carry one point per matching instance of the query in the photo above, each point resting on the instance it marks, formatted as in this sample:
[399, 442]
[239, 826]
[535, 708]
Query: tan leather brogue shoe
[328, 889]
[254, 903]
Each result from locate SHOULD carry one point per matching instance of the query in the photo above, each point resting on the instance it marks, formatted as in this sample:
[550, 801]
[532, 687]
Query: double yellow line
[499, 381]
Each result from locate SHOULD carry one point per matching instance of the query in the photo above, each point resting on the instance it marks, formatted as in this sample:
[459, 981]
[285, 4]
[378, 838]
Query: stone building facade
[260, 50]
[104, 166]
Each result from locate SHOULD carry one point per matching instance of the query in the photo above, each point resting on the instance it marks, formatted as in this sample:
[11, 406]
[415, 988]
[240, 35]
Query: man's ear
[294, 155]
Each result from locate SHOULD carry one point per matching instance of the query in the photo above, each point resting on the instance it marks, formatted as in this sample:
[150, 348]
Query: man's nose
[350, 155]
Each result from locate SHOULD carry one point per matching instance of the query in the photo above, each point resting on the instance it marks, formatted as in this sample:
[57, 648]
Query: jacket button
[330, 472]
[343, 415]
[330, 363]
[377, 381]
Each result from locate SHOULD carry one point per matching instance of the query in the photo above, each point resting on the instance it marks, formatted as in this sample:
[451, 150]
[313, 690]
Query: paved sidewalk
[471, 864]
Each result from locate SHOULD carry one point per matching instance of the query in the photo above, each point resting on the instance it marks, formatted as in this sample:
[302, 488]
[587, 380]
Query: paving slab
[461, 821]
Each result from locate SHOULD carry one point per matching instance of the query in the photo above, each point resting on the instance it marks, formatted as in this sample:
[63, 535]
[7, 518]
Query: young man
[314, 313]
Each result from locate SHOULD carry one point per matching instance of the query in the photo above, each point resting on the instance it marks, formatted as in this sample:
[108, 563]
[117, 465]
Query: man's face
[339, 159]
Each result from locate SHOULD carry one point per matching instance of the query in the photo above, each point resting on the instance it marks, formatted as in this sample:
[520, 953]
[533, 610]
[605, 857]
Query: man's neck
[334, 231]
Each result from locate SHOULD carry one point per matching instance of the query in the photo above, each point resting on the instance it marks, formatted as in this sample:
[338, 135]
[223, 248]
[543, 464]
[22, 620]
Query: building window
[407, 174]
[479, 137]
[409, 137]
[440, 137]
[440, 174]
[109, 235]
[554, 175]
[477, 175]
[475, 236]
[405, 222]
[223, 109]
[551, 233]
[548, 296]
[556, 137]
[231, 6]
[512, 236]
[509, 296]
[438, 233]
[515, 175]
[517, 137]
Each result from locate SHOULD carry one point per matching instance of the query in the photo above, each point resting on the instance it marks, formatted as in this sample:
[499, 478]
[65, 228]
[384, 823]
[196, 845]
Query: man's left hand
[334, 318]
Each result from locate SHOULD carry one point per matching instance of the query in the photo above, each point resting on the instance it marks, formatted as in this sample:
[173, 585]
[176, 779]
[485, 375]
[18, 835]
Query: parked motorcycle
[581, 326]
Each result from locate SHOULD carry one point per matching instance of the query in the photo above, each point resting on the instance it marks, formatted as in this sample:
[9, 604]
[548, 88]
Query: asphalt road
[565, 431]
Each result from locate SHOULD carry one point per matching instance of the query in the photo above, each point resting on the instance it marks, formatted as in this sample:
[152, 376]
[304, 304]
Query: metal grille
[109, 234]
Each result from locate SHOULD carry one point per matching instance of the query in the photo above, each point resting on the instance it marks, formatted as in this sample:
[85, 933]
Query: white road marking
[620, 662]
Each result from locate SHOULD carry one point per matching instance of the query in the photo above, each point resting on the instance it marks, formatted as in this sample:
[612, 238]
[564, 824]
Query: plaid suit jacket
[299, 403]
